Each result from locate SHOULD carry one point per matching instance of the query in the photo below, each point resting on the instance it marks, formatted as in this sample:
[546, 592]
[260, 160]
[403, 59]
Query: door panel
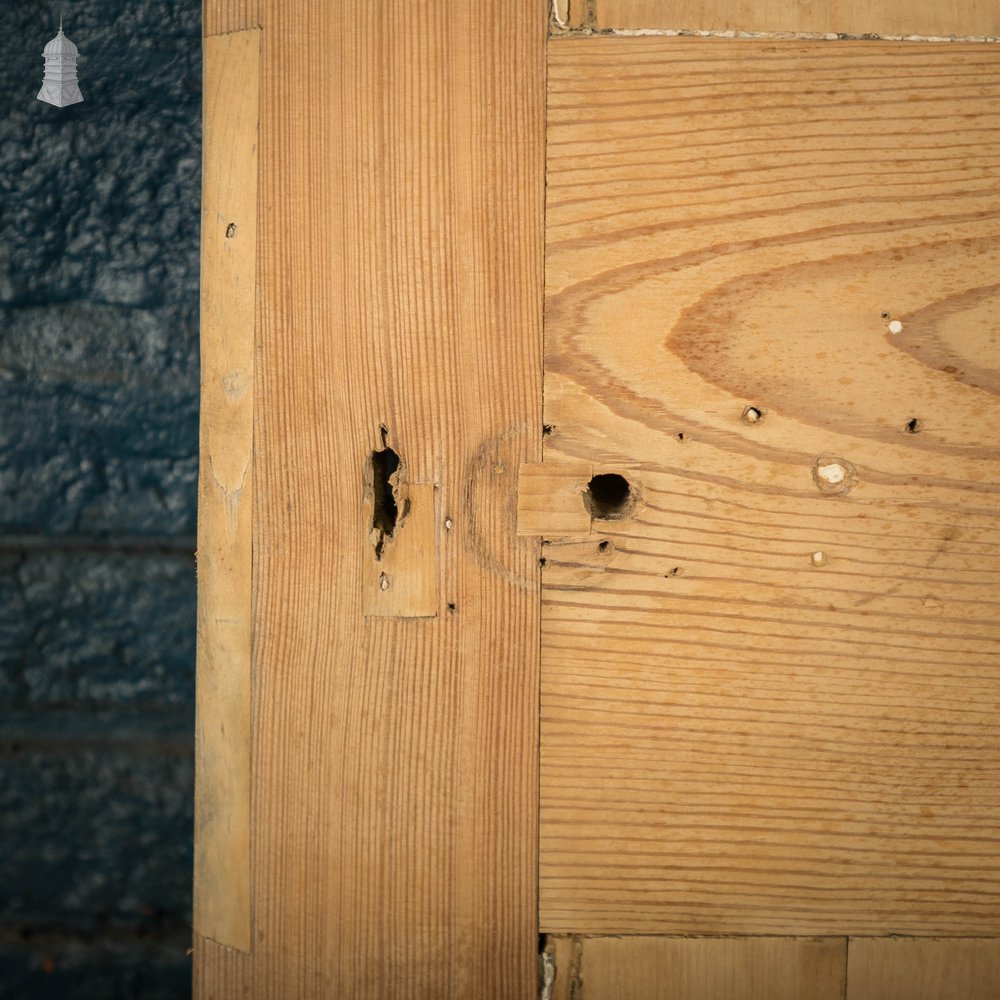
[893, 969]
[882, 17]
[770, 687]
[663, 968]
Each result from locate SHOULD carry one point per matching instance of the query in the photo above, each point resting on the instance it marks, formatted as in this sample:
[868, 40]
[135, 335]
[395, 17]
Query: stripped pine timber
[220, 973]
[548, 500]
[225, 489]
[915, 969]
[663, 968]
[968, 18]
[573, 13]
[395, 758]
[771, 702]
[219, 17]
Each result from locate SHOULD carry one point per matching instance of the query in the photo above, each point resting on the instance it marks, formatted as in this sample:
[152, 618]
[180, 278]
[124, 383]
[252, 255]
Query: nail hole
[676, 571]
[452, 607]
[230, 230]
[753, 415]
[679, 437]
[547, 429]
[608, 497]
[541, 562]
[385, 514]
[914, 426]
[885, 315]
[603, 546]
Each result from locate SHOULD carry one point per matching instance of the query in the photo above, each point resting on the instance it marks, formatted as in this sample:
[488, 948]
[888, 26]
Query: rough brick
[99, 214]
[97, 459]
[96, 628]
[97, 831]
[43, 966]
[99, 272]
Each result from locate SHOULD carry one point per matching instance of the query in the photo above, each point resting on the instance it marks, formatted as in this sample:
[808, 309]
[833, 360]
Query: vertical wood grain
[395, 788]
[574, 13]
[219, 17]
[220, 973]
[923, 969]
[225, 488]
[853, 17]
[662, 968]
[403, 581]
[564, 956]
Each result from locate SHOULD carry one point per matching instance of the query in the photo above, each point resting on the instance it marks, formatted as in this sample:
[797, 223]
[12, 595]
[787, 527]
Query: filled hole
[608, 497]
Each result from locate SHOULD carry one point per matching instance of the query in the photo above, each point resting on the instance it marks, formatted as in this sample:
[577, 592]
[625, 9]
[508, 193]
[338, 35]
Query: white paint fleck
[833, 473]
[895, 326]
[818, 558]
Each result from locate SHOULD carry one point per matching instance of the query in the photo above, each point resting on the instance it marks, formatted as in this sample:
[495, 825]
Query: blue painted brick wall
[98, 463]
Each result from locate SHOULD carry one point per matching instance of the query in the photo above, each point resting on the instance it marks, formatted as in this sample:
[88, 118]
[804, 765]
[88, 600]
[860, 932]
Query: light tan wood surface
[220, 973]
[548, 500]
[403, 581]
[395, 758]
[914, 969]
[225, 488]
[223, 16]
[853, 17]
[574, 13]
[770, 703]
[661, 968]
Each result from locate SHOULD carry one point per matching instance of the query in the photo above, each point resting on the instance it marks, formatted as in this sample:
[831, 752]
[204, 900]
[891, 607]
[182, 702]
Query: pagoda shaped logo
[59, 85]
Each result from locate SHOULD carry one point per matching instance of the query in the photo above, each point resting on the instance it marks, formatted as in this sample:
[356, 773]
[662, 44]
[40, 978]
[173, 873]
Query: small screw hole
[230, 230]
[603, 546]
[913, 426]
[547, 429]
[753, 415]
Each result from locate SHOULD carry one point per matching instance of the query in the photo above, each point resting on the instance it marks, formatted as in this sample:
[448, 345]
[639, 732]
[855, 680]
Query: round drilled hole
[608, 497]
